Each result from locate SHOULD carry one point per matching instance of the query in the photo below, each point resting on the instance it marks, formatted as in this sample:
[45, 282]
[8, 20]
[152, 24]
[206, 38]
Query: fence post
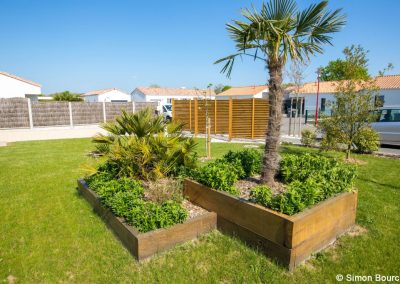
[230, 119]
[190, 114]
[30, 113]
[173, 108]
[196, 117]
[133, 107]
[71, 122]
[104, 112]
[252, 117]
[215, 115]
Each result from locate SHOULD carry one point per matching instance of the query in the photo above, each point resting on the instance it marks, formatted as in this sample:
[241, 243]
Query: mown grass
[50, 234]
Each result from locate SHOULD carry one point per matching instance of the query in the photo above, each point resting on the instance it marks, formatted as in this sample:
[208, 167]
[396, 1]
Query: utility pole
[316, 104]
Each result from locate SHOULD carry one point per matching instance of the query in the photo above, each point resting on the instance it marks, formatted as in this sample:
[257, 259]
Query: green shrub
[148, 216]
[122, 202]
[261, 194]
[249, 160]
[310, 179]
[367, 140]
[106, 189]
[145, 146]
[218, 175]
[308, 137]
[332, 172]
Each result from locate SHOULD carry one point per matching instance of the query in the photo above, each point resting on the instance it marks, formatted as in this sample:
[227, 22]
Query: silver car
[388, 125]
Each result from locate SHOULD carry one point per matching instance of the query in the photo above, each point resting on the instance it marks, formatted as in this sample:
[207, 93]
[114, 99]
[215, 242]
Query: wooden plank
[262, 221]
[163, 239]
[230, 118]
[215, 116]
[324, 218]
[127, 235]
[144, 245]
[196, 117]
[190, 114]
[280, 253]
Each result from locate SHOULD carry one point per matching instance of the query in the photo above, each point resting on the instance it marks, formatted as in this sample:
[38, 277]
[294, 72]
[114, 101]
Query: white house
[12, 86]
[165, 95]
[389, 93]
[106, 95]
[247, 92]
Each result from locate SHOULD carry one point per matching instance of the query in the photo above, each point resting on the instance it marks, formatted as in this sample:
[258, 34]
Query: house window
[169, 101]
[379, 101]
[323, 104]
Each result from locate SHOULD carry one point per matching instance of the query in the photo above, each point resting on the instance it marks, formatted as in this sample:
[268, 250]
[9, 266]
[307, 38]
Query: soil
[245, 186]
[355, 161]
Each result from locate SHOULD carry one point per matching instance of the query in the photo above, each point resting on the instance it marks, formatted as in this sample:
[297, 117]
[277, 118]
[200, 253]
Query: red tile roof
[383, 82]
[244, 91]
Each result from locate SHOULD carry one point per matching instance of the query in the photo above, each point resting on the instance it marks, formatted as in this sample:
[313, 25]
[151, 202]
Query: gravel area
[193, 209]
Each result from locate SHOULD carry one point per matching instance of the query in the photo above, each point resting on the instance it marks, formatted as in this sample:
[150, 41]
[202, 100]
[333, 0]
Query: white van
[388, 125]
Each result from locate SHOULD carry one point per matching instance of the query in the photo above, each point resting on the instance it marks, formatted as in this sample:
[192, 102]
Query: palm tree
[278, 32]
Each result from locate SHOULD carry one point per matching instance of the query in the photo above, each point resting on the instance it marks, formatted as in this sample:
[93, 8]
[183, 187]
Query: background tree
[154, 86]
[354, 66]
[67, 96]
[351, 116]
[275, 33]
[221, 88]
[389, 67]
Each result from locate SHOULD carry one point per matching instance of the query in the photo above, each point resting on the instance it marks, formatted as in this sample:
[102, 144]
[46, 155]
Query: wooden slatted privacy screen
[238, 118]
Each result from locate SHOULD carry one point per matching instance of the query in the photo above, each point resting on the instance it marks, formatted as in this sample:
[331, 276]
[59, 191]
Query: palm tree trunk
[271, 156]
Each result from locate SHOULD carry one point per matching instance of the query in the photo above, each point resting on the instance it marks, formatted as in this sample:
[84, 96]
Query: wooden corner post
[215, 115]
[196, 117]
[230, 118]
[190, 114]
[252, 117]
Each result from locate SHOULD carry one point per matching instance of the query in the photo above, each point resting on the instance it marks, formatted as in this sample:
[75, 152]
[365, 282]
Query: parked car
[167, 112]
[388, 125]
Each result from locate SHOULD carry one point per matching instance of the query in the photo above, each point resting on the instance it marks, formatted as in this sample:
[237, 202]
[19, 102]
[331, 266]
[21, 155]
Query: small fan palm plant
[275, 33]
[145, 146]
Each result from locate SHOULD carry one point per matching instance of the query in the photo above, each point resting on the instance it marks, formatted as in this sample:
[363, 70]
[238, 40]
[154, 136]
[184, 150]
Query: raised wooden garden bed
[288, 239]
[144, 245]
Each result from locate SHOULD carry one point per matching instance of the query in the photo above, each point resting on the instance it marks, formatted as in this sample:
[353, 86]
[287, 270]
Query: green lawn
[50, 234]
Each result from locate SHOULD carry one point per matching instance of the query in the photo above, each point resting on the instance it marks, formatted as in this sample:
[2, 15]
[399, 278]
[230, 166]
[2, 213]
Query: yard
[50, 234]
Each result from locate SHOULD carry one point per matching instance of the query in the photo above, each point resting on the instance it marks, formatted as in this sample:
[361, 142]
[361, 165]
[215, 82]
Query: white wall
[391, 97]
[161, 99]
[260, 95]
[114, 95]
[13, 88]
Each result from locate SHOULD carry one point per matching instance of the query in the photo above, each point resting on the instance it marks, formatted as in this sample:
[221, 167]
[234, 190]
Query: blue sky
[85, 45]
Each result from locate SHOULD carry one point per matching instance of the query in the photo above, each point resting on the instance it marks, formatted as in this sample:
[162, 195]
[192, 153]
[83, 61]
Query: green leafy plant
[367, 140]
[249, 160]
[308, 137]
[143, 145]
[148, 216]
[218, 175]
[261, 194]
[107, 189]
